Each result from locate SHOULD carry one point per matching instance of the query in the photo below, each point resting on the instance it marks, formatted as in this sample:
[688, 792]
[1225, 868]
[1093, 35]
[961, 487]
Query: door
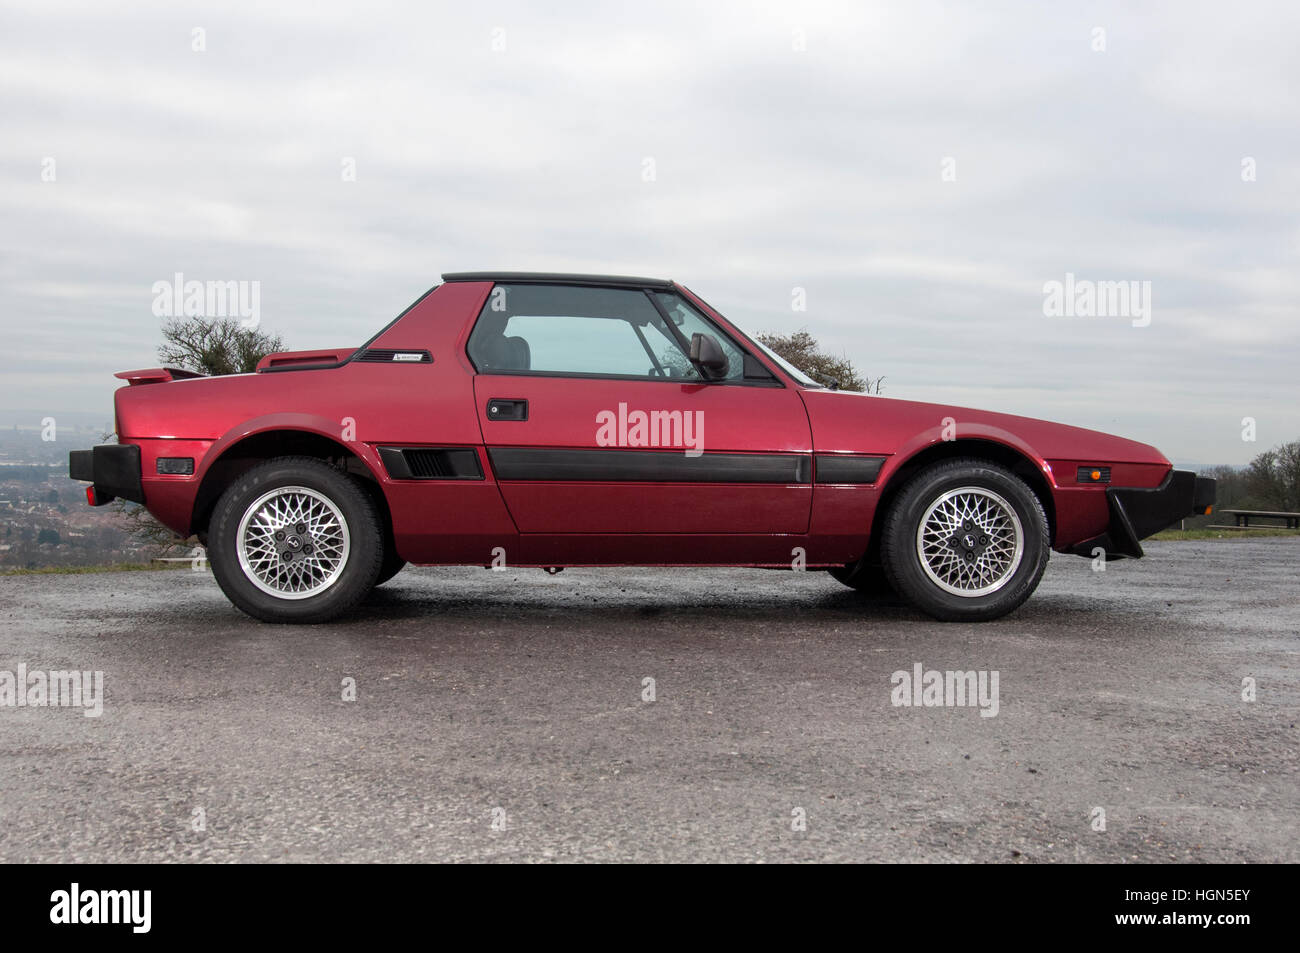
[596, 421]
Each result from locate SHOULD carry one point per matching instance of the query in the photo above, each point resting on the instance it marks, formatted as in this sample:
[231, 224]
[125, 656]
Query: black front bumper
[113, 468]
[1136, 513]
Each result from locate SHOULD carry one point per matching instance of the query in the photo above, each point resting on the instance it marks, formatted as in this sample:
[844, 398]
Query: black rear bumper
[1137, 513]
[113, 468]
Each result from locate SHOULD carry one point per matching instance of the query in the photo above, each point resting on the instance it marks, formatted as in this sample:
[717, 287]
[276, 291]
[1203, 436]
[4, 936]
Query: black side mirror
[707, 355]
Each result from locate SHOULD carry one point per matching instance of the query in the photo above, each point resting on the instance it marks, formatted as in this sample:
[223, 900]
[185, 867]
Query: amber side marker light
[1093, 475]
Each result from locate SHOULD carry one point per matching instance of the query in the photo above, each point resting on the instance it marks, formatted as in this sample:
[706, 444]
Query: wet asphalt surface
[500, 716]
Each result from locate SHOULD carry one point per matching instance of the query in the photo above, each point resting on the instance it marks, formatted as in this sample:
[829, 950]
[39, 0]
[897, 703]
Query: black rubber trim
[557, 278]
[1138, 512]
[846, 468]
[81, 465]
[114, 468]
[647, 466]
[431, 463]
[1204, 494]
[1150, 511]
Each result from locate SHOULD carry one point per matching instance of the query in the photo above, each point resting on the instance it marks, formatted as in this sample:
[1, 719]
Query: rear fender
[338, 432]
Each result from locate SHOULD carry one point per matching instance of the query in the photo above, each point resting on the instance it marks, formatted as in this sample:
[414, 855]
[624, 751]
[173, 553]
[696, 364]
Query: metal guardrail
[1243, 518]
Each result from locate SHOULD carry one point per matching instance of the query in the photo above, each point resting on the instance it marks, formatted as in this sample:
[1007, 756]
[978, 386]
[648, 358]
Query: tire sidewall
[365, 536]
[864, 578]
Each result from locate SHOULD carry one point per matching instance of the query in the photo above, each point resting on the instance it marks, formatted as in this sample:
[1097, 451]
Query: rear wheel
[295, 540]
[966, 541]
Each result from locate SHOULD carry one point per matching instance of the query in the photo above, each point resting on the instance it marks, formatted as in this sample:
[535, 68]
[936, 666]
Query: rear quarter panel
[359, 405]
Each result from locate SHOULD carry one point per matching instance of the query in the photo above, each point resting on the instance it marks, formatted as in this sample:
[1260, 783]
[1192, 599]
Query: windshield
[799, 376]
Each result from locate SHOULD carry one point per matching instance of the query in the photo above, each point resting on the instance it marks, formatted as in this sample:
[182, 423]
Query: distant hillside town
[44, 519]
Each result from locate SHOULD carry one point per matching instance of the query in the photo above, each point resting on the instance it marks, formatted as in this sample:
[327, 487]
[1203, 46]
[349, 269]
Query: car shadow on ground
[522, 604]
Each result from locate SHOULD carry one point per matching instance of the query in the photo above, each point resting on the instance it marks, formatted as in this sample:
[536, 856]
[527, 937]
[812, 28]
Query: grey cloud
[776, 169]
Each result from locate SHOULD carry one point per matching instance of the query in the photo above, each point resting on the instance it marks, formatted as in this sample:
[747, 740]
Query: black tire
[868, 580]
[1008, 585]
[353, 572]
[391, 566]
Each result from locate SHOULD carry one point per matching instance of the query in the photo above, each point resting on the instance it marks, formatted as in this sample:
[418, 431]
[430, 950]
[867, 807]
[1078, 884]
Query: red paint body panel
[363, 406]
[564, 413]
[283, 359]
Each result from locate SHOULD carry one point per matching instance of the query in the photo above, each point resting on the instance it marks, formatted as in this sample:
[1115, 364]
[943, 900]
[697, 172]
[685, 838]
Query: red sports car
[558, 420]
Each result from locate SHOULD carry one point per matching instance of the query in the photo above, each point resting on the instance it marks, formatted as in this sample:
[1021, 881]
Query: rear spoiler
[156, 375]
[287, 360]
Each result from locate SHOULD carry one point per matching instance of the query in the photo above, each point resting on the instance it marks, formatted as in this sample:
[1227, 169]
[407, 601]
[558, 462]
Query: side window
[688, 321]
[564, 329]
[578, 344]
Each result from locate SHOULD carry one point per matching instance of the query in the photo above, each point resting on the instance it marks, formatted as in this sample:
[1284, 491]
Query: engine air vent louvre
[390, 355]
[431, 463]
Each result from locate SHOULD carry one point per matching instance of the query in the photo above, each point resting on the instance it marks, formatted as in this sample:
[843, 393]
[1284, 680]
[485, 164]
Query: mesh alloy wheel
[970, 541]
[293, 542]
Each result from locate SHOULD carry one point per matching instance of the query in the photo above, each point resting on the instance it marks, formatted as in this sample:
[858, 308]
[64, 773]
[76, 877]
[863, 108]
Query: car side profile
[554, 420]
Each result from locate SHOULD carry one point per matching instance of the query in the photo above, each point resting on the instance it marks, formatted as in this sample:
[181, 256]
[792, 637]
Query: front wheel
[966, 541]
[295, 540]
[392, 565]
[866, 579]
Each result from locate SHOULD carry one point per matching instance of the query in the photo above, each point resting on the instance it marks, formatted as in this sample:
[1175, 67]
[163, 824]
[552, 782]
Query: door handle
[500, 408]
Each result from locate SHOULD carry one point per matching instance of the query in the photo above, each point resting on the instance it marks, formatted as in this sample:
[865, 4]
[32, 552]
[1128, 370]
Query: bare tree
[215, 347]
[802, 350]
[210, 347]
[1273, 478]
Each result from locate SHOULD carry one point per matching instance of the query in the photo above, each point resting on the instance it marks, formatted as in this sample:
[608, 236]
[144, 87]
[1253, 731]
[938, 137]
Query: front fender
[957, 431]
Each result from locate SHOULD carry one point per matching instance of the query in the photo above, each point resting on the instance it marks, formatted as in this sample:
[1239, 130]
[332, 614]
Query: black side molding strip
[648, 466]
[845, 468]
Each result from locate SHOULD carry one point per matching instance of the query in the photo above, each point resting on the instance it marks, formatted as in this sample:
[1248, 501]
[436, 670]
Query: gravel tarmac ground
[502, 716]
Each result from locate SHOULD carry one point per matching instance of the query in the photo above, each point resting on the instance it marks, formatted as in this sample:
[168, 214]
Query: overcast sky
[745, 150]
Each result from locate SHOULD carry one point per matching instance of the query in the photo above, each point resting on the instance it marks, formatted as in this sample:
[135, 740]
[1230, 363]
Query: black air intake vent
[389, 355]
[431, 463]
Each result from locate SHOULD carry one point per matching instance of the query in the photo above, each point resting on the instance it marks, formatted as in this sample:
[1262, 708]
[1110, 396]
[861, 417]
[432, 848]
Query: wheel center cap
[968, 541]
[293, 542]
